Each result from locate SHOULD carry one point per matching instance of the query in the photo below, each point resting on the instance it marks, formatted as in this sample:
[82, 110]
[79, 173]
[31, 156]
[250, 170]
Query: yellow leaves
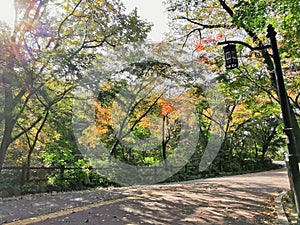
[103, 115]
[89, 137]
[241, 114]
[190, 26]
[106, 86]
[101, 130]
[92, 135]
[145, 122]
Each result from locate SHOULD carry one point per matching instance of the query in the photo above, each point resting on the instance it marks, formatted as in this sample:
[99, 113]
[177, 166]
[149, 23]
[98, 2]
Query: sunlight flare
[7, 13]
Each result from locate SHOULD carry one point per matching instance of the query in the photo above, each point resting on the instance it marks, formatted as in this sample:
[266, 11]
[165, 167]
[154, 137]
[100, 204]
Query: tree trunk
[6, 141]
[9, 122]
[264, 151]
[163, 141]
[256, 153]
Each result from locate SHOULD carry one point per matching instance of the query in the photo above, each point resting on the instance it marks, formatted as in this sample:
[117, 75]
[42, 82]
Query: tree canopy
[78, 74]
[50, 46]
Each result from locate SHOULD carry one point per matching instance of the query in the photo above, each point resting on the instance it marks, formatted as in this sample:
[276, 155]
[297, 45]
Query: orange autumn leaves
[204, 43]
[166, 107]
[103, 115]
[203, 47]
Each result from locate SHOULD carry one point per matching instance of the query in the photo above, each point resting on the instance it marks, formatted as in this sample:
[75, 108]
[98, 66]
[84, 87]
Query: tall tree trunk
[5, 143]
[256, 153]
[32, 146]
[264, 151]
[163, 140]
[9, 121]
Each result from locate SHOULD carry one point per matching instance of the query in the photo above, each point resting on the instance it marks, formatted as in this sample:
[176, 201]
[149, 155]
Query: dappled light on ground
[245, 199]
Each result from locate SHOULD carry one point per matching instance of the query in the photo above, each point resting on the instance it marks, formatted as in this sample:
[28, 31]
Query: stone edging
[281, 217]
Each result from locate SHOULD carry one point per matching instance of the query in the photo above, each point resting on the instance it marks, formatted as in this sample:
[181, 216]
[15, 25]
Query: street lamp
[286, 110]
[231, 59]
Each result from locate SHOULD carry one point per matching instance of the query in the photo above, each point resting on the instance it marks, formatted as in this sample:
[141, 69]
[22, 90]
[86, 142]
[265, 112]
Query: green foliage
[287, 15]
[46, 55]
[141, 132]
[76, 177]
[150, 161]
[251, 15]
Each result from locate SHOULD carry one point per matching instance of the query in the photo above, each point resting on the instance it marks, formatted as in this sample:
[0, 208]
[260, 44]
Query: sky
[152, 11]
[7, 11]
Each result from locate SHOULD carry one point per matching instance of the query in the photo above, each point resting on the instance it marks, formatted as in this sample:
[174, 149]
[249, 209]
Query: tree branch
[67, 17]
[204, 26]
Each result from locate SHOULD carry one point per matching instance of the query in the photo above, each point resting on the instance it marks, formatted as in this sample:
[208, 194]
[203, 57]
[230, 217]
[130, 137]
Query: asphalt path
[244, 199]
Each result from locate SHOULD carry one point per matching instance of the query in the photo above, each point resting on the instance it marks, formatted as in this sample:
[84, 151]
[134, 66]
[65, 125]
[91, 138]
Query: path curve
[244, 199]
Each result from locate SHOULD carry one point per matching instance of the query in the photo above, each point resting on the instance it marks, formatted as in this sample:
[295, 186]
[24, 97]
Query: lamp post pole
[286, 114]
[289, 122]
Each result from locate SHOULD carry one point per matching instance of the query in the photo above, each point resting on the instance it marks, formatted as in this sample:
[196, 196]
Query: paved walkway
[244, 199]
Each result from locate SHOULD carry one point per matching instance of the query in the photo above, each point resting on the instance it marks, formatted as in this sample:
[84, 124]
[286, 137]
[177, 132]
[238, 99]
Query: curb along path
[244, 199]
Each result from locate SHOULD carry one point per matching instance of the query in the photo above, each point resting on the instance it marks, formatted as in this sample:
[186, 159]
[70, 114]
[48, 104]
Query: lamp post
[231, 60]
[286, 114]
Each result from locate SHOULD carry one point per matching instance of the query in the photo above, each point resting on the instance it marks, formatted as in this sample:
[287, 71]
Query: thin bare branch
[204, 26]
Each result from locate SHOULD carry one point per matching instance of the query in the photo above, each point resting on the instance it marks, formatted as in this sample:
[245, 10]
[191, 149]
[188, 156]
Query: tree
[245, 21]
[128, 108]
[138, 92]
[239, 20]
[48, 50]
